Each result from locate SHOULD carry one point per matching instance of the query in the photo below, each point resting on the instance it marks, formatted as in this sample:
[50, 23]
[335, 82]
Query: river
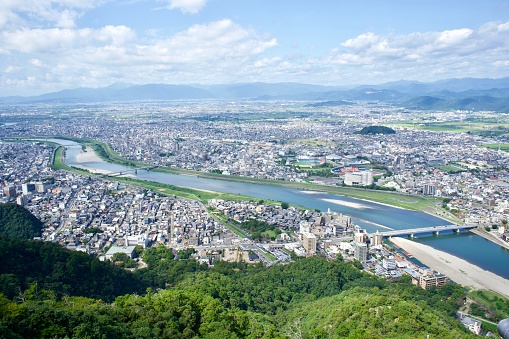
[368, 215]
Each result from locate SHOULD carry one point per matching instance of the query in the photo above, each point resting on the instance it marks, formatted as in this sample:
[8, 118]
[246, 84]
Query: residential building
[10, 191]
[428, 278]
[309, 243]
[361, 251]
[389, 263]
[429, 189]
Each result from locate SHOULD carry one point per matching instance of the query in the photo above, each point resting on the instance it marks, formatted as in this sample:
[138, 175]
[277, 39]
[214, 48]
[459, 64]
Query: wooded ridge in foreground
[310, 298]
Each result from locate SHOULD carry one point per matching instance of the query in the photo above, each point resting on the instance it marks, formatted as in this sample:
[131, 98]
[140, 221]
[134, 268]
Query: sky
[50, 45]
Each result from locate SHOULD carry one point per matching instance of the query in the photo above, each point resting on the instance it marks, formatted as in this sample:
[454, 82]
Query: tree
[18, 222]
[62, 271]
[376, 130]
[284, 205]
[123, 260]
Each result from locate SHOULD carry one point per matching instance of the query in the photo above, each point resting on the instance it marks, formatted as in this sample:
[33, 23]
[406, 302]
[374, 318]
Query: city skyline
[52, 45]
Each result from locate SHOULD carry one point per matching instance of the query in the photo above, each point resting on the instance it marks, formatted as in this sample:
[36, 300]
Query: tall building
[429, 189]
[377, 239]
[10, 191]
[21, 200]
[309, 243]
[27, 188]
[361, 178]
[361, 251]
[41, 187]
[360, 236]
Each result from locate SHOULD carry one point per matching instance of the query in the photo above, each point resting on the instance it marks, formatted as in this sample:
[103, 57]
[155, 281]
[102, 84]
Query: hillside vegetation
[376, 130]
[310, 298]
[18, 222]
[37, 265]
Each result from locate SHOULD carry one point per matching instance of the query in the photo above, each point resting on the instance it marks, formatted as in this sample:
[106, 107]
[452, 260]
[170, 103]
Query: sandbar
[311, 192]
[347, 203]
[88, 156]
[459, 270]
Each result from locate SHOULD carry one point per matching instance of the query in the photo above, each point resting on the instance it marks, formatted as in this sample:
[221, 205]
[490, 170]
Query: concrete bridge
[131, 170]
[433, 229]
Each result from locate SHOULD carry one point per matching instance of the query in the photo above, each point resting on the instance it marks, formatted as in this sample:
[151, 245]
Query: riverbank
[490, 236]
[392, 199]
[459, 270]
[89, 156]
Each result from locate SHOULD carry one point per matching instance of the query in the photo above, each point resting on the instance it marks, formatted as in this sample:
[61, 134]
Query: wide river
[368, 215]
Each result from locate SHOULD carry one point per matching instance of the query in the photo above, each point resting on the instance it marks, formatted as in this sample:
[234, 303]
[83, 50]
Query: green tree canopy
[376, 130]
[18, 222]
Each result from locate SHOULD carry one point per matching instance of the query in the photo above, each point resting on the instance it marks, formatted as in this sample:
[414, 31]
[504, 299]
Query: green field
[230, 224]
[270, 234]
[485, 127]
[270, 256]
[496, 305]
[451, 168]
[502, 147]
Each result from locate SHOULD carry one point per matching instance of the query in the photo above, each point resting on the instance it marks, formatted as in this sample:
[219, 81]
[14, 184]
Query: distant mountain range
[450, 94]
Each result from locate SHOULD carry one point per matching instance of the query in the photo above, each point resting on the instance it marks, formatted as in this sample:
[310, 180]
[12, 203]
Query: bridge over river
[131, 170]
[435, 230]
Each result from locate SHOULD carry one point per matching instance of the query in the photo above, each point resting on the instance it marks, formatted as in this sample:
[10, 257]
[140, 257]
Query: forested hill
[18, 222]
[311, 298]
[29, 263]
[376, 130]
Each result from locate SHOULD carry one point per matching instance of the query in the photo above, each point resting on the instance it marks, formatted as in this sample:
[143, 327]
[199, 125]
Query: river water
[368, 215]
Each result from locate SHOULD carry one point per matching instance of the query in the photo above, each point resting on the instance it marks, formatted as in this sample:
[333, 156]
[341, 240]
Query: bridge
[433, 229]
[131, 170]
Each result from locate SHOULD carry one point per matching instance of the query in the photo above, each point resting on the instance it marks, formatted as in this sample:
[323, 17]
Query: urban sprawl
[286, 141]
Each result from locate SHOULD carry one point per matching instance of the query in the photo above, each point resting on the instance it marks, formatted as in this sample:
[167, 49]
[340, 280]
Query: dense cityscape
[185, 169]
[283, 141]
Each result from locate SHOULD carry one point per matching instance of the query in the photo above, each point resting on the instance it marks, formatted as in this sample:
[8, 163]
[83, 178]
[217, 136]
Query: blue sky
[48, 45]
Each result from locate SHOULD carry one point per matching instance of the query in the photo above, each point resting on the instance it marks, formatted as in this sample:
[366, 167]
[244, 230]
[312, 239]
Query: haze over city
[52, 45]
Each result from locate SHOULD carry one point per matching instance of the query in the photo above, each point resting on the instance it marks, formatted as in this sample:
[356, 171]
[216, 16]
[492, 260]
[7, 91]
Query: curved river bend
[370, 216]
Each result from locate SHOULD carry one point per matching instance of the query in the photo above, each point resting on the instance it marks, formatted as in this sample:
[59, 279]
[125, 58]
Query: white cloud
[30, 13]
[36, 62]
[211, 52]
[453, 37]
[12, 69]
[60, 55]
[187, 6]
[63, 40]
[424, 55]
[213, 42]
[66, 19]
[362, 41]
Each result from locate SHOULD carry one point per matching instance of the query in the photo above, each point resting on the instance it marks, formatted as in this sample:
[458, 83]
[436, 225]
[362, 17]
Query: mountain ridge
[465, 93]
